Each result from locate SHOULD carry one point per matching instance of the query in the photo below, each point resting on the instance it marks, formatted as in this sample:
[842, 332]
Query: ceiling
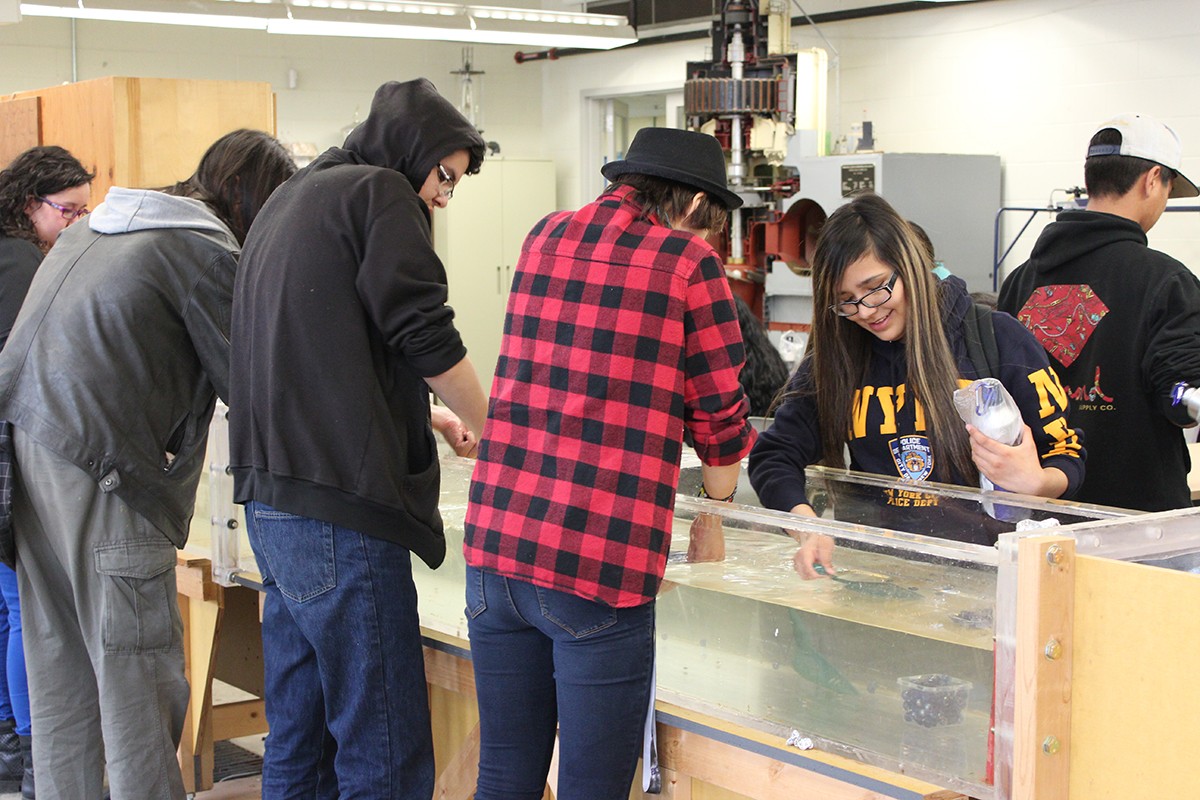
[658, 13]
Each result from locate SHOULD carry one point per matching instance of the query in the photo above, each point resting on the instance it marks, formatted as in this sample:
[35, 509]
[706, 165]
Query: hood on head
[410, 128]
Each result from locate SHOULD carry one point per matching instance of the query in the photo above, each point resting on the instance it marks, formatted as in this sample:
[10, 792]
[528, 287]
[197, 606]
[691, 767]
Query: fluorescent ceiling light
[157, 17]
[383, 19]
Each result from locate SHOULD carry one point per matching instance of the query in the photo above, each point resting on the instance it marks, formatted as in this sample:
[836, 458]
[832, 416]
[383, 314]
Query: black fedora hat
[687, 157]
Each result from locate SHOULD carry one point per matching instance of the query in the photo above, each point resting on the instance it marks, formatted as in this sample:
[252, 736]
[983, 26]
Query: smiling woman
[882, 365]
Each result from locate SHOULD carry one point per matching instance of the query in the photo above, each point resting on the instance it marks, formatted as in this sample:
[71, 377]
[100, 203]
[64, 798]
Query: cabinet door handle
[499, 284]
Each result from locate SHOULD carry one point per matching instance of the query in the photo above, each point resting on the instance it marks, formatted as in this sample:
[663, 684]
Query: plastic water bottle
[988, 406]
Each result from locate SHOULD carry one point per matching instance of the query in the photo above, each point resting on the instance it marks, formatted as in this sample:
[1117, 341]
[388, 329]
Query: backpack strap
[980, 337]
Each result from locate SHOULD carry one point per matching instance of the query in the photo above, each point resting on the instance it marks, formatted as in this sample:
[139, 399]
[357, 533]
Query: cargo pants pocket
[138, 585]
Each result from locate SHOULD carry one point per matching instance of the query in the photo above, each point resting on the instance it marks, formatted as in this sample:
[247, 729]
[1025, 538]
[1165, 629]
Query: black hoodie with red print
[1121, 323]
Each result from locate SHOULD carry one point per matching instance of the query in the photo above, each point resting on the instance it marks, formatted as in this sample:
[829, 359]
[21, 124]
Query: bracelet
[704, 493]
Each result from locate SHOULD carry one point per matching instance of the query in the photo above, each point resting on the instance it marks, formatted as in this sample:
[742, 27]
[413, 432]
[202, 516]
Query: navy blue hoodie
[888, 436]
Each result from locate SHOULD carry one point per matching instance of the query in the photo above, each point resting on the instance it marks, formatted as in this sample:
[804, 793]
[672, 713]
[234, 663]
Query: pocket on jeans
[476, 602]
[138, 595]
[299, 552]
[575, 615]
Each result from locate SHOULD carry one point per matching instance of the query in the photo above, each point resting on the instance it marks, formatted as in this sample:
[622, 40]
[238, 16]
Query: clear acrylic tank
[906, 627]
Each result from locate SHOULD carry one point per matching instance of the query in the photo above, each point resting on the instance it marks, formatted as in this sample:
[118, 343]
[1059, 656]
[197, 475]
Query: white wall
[337, 76]
[1026, 79]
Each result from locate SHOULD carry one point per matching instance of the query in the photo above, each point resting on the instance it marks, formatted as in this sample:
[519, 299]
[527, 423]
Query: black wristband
[704, 493]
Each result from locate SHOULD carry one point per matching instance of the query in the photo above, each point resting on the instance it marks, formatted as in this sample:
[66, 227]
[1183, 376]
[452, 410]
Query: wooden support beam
[238, 719]
[449, 671]
[201, 622]
[187, 740]
[1042, 708]
[193, 577]
[675, 786]
[457, 781]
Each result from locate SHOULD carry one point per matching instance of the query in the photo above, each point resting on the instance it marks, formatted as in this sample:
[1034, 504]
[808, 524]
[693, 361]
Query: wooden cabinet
[140, 133]
[478, 236]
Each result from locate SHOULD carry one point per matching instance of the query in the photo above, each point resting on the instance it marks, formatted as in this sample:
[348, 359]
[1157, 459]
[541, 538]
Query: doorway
[613, 118]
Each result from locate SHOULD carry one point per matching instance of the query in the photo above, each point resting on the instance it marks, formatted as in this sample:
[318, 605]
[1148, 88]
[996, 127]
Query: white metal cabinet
[478, 236]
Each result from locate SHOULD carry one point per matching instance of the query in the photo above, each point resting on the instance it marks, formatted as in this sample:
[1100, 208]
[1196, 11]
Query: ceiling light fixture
[379, 19]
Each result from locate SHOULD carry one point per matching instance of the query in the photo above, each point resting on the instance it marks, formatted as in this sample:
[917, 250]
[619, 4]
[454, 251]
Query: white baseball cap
[1145, 137]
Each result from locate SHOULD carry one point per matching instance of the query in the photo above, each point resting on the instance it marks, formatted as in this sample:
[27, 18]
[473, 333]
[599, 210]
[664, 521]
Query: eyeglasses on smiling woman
[67, 213]
[872, 299]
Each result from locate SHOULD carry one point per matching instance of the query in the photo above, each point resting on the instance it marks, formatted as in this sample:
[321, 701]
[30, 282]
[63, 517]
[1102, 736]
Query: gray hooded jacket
[122, 346]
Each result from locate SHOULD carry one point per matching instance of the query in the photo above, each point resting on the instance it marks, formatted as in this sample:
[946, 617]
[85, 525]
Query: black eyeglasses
[872, 299]
[446, 189]
[67, 212]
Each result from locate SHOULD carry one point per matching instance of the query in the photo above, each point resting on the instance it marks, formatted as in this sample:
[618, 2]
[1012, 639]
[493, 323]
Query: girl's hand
[815, 549]
[1016, 468]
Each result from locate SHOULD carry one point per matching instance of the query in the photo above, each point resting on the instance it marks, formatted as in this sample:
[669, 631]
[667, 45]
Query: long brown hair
[841, 350]
[235, 177]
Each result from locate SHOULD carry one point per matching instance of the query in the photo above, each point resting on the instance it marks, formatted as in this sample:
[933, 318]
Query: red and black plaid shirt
[619, 332]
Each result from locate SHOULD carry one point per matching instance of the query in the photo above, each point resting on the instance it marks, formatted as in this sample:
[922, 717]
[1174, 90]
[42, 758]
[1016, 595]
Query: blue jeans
[14, 704]
[345, 697]
[544, 658]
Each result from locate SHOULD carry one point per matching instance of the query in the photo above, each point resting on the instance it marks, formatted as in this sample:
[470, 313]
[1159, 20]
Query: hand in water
[707, 539]
[814, 559]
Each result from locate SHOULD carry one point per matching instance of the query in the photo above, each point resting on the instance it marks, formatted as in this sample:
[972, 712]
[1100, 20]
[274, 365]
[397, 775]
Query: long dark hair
[669, 201]
[765, 373]
[236, 175]
[841, 350]
[37, 172]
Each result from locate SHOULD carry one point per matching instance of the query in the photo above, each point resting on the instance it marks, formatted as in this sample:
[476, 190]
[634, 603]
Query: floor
[249, 788]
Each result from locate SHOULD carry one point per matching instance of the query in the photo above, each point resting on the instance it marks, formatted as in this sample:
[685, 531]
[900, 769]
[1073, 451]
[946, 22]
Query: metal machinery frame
[1075, 205]
[745, 97]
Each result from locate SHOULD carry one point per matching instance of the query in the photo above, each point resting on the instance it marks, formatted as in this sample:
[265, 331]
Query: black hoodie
[1122, 325]
[339, 315]
[889, 437]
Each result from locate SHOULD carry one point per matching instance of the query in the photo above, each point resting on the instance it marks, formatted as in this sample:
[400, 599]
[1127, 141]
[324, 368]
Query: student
[42, 192]
[340, 330]
[110, 377]
[1121, 321]
[621, 333]
[879, 310]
